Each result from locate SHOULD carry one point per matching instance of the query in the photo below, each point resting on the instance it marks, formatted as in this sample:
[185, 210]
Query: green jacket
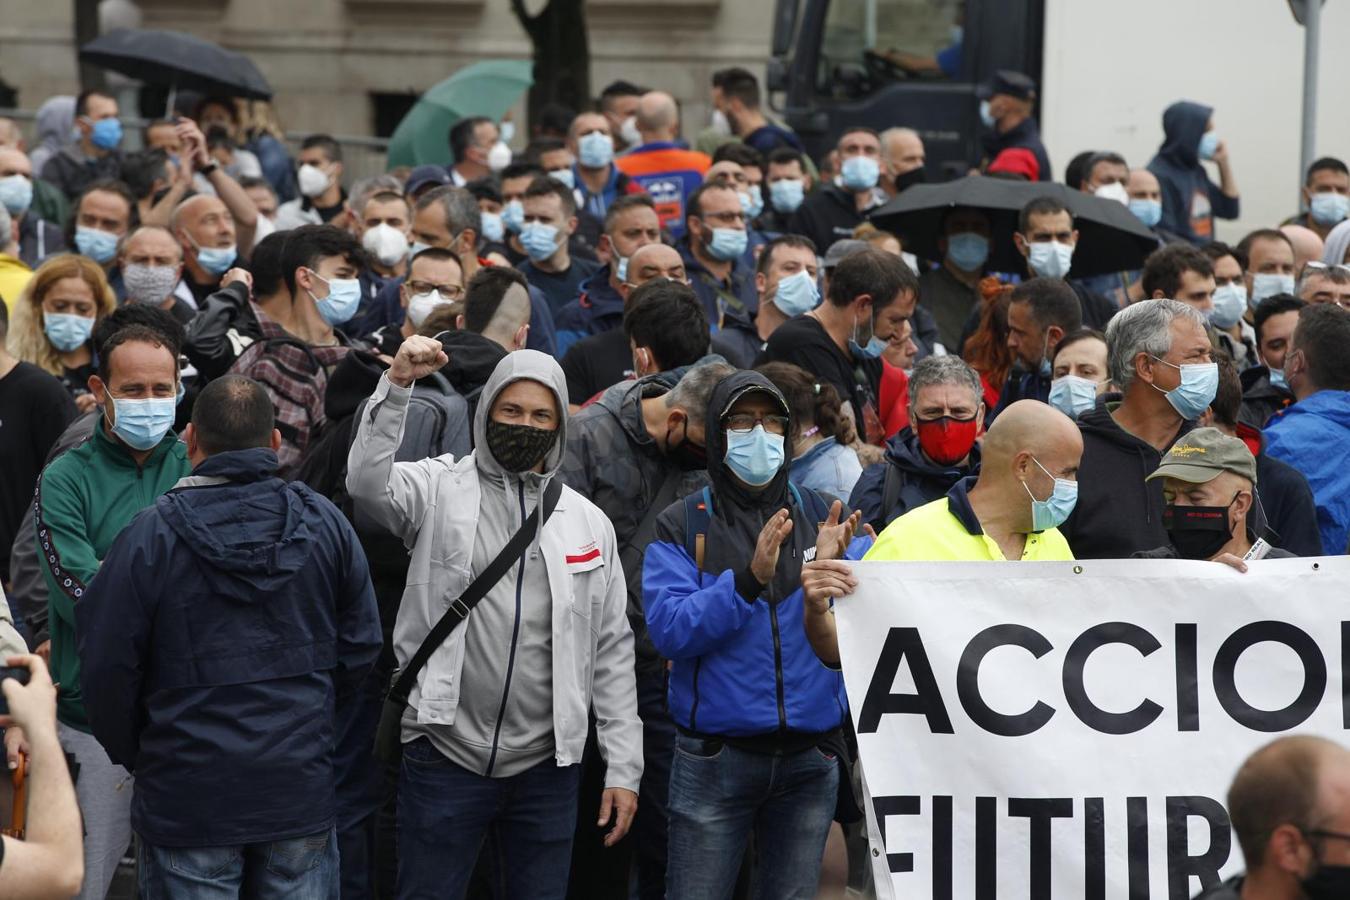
[84, 500]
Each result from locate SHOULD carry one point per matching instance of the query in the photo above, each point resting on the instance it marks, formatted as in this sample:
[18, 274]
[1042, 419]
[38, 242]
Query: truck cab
[883, 63]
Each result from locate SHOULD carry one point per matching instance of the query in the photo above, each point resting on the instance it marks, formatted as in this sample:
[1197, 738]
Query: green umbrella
[488, 88]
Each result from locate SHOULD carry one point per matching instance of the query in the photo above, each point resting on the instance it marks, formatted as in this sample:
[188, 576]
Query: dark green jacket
[84, 499]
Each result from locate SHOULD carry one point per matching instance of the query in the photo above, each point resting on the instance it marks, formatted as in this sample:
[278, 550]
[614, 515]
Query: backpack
[698, 508]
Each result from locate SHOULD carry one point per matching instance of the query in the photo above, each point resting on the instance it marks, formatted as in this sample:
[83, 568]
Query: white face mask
[386, 243]
[629, 133]
[499, 157]
[312, 180]
[421, 305]
[1113, 191]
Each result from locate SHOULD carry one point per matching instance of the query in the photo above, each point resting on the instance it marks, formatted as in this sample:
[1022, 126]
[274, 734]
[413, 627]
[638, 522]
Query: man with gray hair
[1322, 283]
[1158, 354]
[632, 453]
[13, 273]
[934, 451]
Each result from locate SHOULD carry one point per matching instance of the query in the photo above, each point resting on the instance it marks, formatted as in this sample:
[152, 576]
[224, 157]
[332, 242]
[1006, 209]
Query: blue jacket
[737, 301]
[224, 628]
[1027, 386]
[597, 310]
[1182, 177]
[1300, 435]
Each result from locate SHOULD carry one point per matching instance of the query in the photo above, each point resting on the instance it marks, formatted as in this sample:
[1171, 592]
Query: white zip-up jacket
[490, 717]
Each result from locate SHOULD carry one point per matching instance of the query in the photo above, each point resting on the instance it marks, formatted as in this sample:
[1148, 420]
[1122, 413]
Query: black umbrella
[1110, 237]
[178, 60]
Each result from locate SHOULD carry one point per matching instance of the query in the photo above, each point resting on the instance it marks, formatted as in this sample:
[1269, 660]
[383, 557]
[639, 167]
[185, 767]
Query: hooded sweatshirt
[224, 630]
[1118, 513]
[510, 688]
[921, 480]
[1300, 436]
[1190, 199]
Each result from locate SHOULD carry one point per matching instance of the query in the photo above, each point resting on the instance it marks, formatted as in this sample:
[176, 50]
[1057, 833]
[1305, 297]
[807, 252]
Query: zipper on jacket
[777, 661]
[511, 657]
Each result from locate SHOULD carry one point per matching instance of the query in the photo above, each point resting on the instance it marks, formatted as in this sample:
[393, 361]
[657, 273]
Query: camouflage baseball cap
[1203, 454]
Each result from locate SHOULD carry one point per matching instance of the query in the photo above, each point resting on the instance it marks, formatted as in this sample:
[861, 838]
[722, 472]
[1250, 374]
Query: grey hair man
[1158, 353]
[934, 451]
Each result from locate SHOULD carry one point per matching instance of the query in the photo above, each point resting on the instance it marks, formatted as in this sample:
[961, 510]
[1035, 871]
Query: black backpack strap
[891, 487]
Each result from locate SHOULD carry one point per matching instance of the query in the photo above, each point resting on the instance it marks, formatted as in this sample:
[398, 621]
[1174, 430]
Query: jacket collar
[958, 504]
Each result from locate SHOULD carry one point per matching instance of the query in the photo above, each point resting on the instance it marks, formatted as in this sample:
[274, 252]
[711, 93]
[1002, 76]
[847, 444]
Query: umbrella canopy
[488, 88]
[1110, 238]
[178, 60]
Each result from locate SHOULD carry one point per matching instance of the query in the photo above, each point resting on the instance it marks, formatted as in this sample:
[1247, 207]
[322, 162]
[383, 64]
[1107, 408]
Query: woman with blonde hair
[53, 321]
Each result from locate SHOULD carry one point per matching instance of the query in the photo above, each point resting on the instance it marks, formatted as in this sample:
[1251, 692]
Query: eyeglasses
[1335, 835]
[449, 292]
[1314, 265]
[744, 423]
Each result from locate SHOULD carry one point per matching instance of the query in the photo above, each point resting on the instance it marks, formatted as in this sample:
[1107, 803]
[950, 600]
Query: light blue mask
[16, 193]
[1147, 211]
[1053, 510]
[417, 247]
[1073, 395]
[565, 176]
[1050, 259]
[875, 347]
[141, 424]
[1199, 383]
[106, 133]
[595, 150]
[786, 195]
[1329, 208]
[968, 251]
[513, 216]
[493, 229]
[621, 268]
[100, 246]
[1209, 142]
[1277, 379]
[539, 240]
[752, 202]
[797, 293]
[66, 332]
[987, 116]
[1268, 284]
[217, 260]
[344, 296]
[727, 243]
[860, 173]
[754, 456]
[1230, 302]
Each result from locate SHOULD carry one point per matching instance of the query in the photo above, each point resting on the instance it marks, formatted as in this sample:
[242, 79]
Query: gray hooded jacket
[514, 684]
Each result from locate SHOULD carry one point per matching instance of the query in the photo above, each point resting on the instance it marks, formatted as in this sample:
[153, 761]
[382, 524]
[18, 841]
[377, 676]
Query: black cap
[1006, 81]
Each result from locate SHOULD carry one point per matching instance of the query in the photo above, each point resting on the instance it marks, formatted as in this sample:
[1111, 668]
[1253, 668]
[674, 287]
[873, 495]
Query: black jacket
[826, 215]
[1118, 513]
[1260, 398]
[913, 479]
[223, 327]
[1228, 890]
[1027, 135]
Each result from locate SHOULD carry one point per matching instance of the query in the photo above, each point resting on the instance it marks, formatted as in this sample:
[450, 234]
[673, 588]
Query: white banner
[1070, 730]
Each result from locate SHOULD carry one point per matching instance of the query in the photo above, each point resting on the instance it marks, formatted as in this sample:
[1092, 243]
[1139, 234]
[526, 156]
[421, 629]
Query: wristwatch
[207, 170]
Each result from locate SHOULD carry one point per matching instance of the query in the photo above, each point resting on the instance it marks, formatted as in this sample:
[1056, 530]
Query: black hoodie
[1118, 513]
[1183, 179]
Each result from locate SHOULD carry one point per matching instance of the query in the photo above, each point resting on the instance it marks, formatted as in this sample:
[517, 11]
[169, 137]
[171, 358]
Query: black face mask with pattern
[518, 448]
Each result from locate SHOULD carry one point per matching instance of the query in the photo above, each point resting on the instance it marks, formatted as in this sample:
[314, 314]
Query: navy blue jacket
[225, 626]
[597, 310]
[1027, 386]
[920, 480]
[1182, 177]
[1025, 135]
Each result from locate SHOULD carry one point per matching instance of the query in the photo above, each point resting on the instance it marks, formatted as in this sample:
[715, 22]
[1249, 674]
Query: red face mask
[947, 440]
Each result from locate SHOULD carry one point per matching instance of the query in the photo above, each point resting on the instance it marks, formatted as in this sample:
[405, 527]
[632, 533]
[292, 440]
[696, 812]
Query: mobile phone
[1258, 551]
[19, 674]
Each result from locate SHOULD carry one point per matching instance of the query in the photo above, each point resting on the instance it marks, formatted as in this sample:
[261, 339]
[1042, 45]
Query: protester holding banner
[1159, 357]
[760, 741]
[1026, 487]
[1290, 807]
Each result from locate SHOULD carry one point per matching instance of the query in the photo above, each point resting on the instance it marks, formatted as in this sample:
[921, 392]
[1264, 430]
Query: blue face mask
[344, 296]
[16, 193]
[987, 116]
[1073, 395]
[1199, 382]
[1329, 208]
[754, 456]
[1268, 284]
[100, 246]
[1277, 379]
[968, 251]
[752, 202]
[493, 229]
[105, 134]
[1230, 302]
[1053, 510]
[727, 243]
[1147, 211]
[595, 150]
[565, 176]
[797, 293]
[66, 332]
[513, 216]
[1209, 142]
[141, 424]
[539, 240]
[786, 195]
[1050, 259]
[874, 348]
[860, 173]
[620, 268]
[217, 260]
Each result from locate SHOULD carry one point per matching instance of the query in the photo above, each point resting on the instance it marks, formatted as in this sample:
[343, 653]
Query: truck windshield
[892, 40]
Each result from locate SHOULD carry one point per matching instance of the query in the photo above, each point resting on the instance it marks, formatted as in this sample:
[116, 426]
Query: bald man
[1027, 485]
[663, 164]
[1290, 807]
[205, 230]
[902, 159]
[1307, 245]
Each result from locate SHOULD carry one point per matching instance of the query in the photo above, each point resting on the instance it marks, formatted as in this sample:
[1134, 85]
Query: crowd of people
[475, 528]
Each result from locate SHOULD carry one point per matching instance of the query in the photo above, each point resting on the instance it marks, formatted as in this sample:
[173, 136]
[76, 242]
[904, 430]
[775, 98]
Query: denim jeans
[304, 868]
[719, 794]
[445, 812]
